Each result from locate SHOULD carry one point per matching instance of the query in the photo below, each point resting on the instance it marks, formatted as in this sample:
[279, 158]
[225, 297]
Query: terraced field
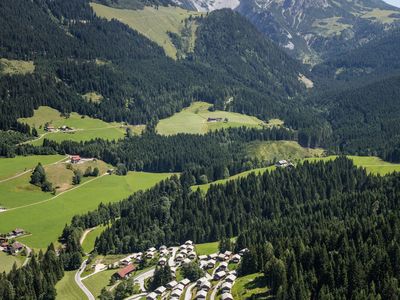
[194, 120]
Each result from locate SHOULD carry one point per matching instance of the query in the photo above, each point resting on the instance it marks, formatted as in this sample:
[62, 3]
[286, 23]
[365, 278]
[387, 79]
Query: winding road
[79, 281]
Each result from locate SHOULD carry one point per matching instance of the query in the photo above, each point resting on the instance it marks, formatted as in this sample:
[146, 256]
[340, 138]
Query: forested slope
[75, 52]
[316, 230]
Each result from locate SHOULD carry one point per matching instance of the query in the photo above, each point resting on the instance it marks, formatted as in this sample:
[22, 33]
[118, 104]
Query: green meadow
[85, 128]
[67, 289]
[90, 239]
[251, 286]
[7, 261]
[273, 151]
[46, 219]
[207, 248]
[16, 67]
[372, 164]
[10, 167]
[154, 23]
[194, 120]
[98, 281]
[205, 187]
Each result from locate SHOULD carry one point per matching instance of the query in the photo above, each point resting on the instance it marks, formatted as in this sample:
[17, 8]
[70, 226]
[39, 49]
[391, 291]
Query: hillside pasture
[16, 67]
[88, 242]
[84, 128]
[272, 151]
[67, 289]
[251, 286]
[7, 261]
[10, 167]
[205, 187]
[207, 248]
[154, 23]
[48, 217]
[98, 281]
[194, 120]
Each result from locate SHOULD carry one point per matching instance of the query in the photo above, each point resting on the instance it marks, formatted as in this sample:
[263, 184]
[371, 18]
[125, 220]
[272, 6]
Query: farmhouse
[15, 248]
[125, 272]
[18, 232]
[284, 164]
[49, 128]
[214, 120]
[75, 159]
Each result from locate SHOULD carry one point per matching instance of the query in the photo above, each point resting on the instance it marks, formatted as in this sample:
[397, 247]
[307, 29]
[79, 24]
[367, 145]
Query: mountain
[378, 57]
[314, 30]
[75, 52]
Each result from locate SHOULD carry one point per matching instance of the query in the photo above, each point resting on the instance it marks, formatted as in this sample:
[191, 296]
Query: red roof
[125, 271]
[75, 157]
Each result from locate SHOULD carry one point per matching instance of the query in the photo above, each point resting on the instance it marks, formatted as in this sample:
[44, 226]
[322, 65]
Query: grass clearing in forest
[16, 67]
[154, 23]
[273, 151]
[372, 164]
[84, 128]
[67, 289]
[250, 286]
[195, 120]
[47, 218]
[90, 239]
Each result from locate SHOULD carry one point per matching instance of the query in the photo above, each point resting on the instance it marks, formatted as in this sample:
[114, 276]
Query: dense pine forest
[320, 231]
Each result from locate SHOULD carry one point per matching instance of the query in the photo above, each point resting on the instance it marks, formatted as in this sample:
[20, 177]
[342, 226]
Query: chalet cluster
[51, 128]
[12, 247]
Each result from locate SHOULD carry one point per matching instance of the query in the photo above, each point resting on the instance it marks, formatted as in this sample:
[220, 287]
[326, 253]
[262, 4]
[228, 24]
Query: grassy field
[151, 22]
[16, 67]
[205, 187]
[96, 282]
[381, 15]
[19, 192]
[194, 120]
[207, 248]
[47, 218]
[272, 151]
[7, 261]
[88, 243]
[372, 164]
[10, 167]
[67, 289]
[85, 128]
[93, 97]
[330, 26]
[252, 285]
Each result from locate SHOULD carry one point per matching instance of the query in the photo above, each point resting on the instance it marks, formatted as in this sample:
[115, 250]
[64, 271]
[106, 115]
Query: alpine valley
[199, 149]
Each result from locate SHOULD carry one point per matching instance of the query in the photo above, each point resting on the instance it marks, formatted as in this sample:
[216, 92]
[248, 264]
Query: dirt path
[56, 196]
[30, 170]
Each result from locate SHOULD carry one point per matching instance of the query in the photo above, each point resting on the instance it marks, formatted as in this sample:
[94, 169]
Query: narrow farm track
[30, 170]
[56, 196]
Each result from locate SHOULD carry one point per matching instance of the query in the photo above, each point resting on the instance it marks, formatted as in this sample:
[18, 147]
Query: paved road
[142, 278]
[79, 281]
[215, 290]
[171, 261]
[188, 294]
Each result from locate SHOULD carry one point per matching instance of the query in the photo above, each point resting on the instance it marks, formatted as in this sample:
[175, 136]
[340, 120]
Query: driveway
[79, 281]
